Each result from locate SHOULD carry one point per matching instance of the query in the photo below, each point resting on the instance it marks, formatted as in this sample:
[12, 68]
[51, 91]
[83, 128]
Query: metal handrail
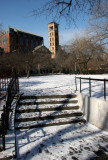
[91, 79]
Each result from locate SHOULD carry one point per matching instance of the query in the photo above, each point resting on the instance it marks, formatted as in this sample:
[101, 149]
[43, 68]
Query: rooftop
[53, 22]
[20, 30]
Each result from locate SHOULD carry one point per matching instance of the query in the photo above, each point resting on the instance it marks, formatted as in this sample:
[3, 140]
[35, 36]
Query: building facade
[53, 34]
[13, 39]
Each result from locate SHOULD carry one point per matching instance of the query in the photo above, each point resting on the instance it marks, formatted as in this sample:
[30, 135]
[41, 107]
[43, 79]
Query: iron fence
[12, 90]
[90, 80]
[4, 81]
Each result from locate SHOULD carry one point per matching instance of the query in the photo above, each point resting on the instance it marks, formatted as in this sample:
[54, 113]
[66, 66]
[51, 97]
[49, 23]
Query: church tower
[53, 38]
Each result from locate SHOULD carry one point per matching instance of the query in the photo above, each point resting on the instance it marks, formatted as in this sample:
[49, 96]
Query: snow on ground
[62, 84]
[67, 142]
[10, 136]
[50, 85]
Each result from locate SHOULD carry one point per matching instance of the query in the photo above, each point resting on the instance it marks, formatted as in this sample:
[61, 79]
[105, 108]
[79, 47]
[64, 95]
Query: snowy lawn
[66, 142]
[48, 85]
[62, 84]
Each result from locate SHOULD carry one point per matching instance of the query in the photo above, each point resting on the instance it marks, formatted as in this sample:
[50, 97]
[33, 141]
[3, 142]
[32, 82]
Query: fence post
[80, 84]
[104, 89]
[3, 130]
[4, 111]
[76, 83]
[18, 85]
[89, 87]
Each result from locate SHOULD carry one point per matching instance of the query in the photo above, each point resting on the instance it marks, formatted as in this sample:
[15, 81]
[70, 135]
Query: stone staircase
[42, 111]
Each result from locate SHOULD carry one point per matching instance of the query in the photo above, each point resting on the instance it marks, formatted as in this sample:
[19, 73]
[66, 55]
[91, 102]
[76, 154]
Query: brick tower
[53, 38]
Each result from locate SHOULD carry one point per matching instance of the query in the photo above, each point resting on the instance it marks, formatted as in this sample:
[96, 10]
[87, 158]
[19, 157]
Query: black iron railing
[4, 81]
[12, 91]
[89, 81]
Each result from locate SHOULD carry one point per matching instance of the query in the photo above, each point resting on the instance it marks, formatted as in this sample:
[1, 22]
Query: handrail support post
[80, 84]
[89, 87]
[104, 89]
[76, 83]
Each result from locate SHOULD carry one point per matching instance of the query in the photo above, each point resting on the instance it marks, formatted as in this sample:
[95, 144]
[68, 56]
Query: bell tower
[53, 38]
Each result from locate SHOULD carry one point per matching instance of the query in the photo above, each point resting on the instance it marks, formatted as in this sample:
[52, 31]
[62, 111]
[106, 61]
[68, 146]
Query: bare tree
[83, 51]
[99, 24]
[42, 61]
[20, 62]
[60, 60]
[68, 9]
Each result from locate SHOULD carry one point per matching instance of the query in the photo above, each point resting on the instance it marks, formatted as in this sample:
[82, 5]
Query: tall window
[55, 28]
[41, 42]
[4, 40]
[21, 40]
[31, 43]
[26, 41]
[51, 28]
[36, 43]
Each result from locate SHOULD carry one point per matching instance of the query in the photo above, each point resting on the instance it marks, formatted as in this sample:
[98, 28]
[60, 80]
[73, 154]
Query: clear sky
[18, 13]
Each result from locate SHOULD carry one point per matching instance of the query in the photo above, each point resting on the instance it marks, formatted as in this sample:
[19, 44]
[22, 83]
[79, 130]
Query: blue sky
[18, 13]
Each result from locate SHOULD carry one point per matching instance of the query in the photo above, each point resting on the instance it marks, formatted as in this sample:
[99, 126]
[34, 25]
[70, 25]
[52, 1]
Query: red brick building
[13, 39]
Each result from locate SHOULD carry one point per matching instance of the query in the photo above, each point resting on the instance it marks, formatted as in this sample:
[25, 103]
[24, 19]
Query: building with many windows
[53, 38]
[13, 39]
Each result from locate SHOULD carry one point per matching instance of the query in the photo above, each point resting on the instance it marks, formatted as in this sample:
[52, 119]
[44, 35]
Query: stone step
[49, 96]
[48, 110]
[40, 106]
[46, 107]
[49, 122]
[48, 102]
[46, 115]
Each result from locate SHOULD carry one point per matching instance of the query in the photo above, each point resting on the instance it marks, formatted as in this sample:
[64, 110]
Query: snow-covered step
[41, 111]
[49, 96]
[50, 122]
[48, 101]
[47, 115]
[47, 107]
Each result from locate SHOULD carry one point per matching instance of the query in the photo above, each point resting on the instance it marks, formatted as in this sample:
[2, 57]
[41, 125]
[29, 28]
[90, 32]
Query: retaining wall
[95, 110]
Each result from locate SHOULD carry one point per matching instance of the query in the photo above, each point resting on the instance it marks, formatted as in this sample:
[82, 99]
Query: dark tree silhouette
[69, 9]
